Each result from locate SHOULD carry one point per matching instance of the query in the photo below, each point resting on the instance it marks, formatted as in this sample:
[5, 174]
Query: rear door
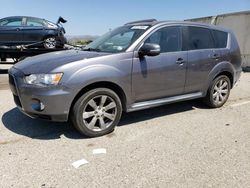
[201, 56]
[34, 30]
[11, 31]
[163, 75]
[221, 52]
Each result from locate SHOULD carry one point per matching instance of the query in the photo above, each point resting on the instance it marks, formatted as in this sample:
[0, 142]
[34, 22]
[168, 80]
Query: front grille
[13, 88]
[17, 101]
[12, 84]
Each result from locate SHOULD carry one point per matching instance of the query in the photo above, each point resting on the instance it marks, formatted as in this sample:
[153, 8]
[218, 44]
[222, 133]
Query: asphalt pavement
[179, 145]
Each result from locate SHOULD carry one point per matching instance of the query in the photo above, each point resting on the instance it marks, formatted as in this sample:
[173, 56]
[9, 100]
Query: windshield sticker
[119, 48]
[143, 27]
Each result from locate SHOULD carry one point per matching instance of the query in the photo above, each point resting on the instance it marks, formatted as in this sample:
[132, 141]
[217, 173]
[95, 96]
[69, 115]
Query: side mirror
[150, 49]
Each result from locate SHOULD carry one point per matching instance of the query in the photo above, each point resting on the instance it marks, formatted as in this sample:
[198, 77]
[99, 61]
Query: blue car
[22, 30]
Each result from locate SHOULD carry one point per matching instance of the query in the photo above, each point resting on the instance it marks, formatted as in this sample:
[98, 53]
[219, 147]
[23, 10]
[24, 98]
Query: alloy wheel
[220, 91]
[99, 113]
[50, 43]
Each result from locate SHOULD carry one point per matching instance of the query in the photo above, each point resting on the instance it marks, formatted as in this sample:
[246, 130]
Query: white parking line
[239, 104]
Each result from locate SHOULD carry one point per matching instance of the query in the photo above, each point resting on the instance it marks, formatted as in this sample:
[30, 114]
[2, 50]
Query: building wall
[239, 23]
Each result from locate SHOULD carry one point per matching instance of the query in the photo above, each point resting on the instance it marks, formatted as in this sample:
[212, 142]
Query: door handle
[215, 56]
[180, 61]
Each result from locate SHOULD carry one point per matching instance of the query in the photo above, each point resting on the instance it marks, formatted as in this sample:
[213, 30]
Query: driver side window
[33, 22]
[169, 39]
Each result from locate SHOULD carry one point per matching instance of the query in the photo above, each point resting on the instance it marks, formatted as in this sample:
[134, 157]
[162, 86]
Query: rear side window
[11, 22]
[199, 38]
[3, 22]
[220, 39]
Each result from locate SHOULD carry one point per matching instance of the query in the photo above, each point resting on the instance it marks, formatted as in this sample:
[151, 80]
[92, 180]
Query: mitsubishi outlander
[139, 65]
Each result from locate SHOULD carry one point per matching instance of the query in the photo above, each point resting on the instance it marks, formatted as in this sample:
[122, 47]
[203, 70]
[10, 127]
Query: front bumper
[61, 40]
[55, 101]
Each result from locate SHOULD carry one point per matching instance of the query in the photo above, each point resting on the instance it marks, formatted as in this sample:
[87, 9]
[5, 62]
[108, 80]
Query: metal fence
[239, 23]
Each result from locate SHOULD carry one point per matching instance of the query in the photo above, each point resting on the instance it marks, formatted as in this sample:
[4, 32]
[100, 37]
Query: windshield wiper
[91, 49]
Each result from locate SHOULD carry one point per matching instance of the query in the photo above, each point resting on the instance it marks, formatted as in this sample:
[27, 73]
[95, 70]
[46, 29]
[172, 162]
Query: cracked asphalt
[178, 145]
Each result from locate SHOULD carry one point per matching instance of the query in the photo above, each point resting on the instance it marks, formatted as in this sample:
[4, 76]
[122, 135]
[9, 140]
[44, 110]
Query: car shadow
[17, 122]
[20, 124]
[164, 110]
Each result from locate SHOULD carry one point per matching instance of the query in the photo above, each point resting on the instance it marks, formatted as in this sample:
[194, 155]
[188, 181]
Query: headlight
[44, 79]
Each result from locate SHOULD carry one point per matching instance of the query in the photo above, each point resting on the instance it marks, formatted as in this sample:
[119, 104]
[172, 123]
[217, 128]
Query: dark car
[137, 66]
[21, 30]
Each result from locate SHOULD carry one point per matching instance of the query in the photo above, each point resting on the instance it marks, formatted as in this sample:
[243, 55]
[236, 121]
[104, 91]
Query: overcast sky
[95, 17]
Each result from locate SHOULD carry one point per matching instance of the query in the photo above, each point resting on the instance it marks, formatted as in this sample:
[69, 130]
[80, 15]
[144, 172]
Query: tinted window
[199, 38]
[220, 39]
[11, 22]
[169, 39]
[32, 22]
[3, 22]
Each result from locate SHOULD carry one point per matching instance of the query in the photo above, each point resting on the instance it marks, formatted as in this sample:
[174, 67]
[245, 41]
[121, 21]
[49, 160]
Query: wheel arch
[102, 84]
[49, 35]
[223, 68]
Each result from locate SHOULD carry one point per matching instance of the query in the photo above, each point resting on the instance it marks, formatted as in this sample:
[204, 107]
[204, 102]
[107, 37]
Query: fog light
[37, 105]
[42, 106]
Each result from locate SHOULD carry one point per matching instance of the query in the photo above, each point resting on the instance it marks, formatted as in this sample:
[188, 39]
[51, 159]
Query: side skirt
[159, 102]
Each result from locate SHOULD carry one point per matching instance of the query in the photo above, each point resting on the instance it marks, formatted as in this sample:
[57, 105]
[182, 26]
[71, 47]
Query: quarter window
[220, 39]
[169, 39]
[199, 38]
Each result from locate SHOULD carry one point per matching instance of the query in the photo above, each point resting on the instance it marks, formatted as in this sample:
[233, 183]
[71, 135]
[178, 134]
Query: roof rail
[142, 21]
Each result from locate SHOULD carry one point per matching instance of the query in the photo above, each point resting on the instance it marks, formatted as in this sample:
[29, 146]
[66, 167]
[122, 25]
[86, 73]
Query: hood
[47, 62]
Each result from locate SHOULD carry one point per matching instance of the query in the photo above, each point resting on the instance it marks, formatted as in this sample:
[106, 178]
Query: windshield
[117, 40]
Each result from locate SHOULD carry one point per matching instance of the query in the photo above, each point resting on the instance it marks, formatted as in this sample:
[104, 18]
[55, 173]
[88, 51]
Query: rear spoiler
[61, 20]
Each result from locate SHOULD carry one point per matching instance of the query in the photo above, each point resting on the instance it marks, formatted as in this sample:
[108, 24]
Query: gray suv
[139, 65]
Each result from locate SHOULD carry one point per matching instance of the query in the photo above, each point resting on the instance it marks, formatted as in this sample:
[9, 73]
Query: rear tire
[97, 112]
[218, 92]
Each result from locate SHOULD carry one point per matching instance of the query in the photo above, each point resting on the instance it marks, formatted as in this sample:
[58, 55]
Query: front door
[163, 75]
[34, 30]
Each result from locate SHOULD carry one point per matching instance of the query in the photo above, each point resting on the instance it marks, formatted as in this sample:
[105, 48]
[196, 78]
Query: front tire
[97, 112]
[50, 42]
[218, 92]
